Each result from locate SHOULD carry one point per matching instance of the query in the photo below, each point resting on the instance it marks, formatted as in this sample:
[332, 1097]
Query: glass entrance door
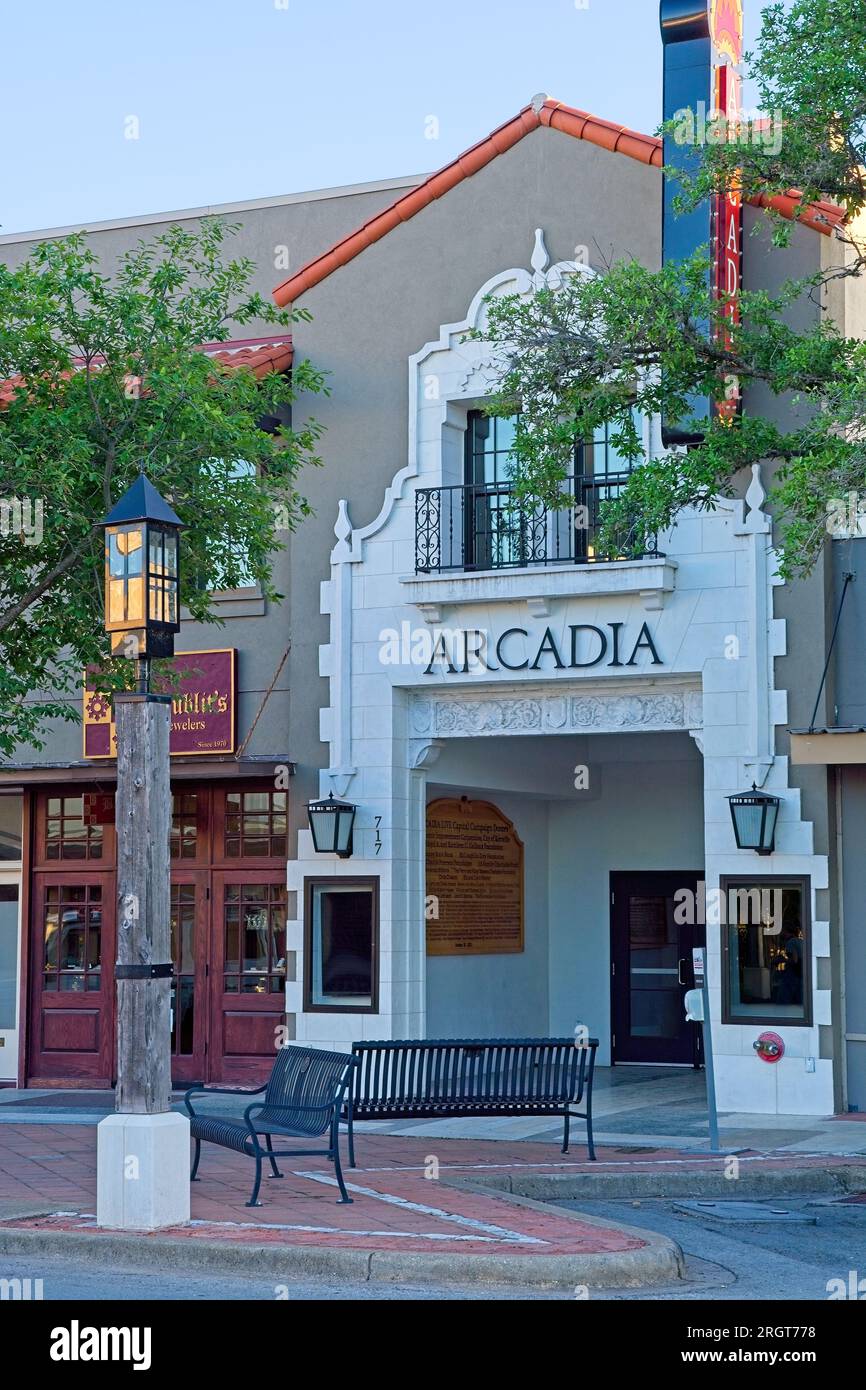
[651, 967]
[10, 897]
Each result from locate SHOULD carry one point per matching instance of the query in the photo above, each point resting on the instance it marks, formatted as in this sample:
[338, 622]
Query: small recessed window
[234, 571]
[766, 937]
[342, 925]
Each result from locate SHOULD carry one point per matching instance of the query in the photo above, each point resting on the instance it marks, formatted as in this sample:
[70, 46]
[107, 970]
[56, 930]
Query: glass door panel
[189, 942]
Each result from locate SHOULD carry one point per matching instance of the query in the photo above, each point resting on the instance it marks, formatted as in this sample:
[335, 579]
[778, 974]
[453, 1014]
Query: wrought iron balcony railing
[483, 526]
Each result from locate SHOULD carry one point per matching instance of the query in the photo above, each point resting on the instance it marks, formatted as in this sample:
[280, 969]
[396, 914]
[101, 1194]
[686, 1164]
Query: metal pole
[707, 1034]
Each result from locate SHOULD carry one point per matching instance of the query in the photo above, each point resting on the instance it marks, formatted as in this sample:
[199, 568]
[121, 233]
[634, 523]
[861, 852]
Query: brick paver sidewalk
[398, 1203]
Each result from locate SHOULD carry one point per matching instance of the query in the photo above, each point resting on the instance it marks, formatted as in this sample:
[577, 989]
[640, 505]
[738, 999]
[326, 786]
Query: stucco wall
[373, 313]
[302, 226]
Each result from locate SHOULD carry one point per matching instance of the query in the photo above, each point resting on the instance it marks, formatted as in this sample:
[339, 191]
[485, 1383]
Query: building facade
[539, 743]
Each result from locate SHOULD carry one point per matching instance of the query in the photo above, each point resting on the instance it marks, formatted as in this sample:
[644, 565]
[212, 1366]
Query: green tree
[102, 376]
[586, 354]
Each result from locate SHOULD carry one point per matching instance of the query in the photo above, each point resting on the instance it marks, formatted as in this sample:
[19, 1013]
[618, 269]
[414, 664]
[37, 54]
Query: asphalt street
[770, 1259]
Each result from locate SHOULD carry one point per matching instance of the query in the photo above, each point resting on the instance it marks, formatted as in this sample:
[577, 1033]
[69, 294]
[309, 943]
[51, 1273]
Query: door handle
[680, 963]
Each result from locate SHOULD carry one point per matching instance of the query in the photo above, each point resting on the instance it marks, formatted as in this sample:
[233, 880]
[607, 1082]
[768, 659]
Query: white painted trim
[150, 219]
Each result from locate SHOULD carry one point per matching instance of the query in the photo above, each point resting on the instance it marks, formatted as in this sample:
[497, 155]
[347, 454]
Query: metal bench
[303, 1100]
[472, 1076]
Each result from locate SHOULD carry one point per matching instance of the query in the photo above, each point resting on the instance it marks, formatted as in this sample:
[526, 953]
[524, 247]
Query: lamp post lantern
[142, 575]
[143, 1149]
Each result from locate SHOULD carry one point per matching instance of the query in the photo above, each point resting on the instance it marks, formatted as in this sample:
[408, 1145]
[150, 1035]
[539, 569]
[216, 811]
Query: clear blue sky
[239, 99]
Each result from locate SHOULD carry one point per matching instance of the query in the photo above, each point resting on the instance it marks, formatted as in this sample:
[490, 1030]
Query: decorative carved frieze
[515, 712]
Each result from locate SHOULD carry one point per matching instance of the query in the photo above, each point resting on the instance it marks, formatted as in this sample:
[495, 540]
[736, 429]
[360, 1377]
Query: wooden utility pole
[143, 819]
[143, 1148]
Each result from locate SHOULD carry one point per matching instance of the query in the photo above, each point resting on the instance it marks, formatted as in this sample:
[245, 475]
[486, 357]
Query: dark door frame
[696, 933]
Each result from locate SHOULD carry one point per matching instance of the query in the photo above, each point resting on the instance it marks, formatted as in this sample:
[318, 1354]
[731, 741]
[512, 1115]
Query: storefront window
[342, 945]
[8, 954]
[72, 830]
[184, 825]
[767, 948]
[256, 825]
[72, 932]
[255, 938]
[183, 913]
[11, 810]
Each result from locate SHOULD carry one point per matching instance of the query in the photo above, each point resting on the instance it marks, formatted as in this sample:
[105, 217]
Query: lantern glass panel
[321, 825]
[135, 600]
[770, 824]
[345, 817]
[125, 581]
[749, 820]
[162, 558]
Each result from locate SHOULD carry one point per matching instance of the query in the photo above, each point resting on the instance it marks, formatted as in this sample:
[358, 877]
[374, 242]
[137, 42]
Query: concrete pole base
[142, 1171]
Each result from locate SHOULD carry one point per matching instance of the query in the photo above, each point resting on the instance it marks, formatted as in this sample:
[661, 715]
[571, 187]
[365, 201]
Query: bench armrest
[298, 1109]
[221, 1091]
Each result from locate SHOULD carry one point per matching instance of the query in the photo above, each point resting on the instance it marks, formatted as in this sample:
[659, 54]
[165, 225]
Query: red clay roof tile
[821, 217]
[262, 355]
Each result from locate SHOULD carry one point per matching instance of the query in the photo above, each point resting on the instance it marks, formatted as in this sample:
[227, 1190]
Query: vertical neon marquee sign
[726, 34]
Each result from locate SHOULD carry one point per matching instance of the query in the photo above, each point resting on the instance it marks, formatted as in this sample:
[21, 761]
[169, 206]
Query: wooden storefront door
[249, 972]
[72, 979]
[228, 935]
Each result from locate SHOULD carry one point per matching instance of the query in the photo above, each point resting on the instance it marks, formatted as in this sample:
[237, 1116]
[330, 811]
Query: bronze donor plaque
[474, 880]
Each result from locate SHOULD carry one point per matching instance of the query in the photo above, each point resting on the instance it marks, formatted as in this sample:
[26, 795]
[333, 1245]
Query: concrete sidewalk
[658, 1107]
[451, 1210]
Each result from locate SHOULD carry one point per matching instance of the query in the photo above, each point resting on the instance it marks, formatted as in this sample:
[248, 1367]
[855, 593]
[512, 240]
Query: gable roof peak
[541, 111]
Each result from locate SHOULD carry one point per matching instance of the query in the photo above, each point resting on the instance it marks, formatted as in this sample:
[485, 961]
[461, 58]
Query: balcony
[477, 543]
[482, 526]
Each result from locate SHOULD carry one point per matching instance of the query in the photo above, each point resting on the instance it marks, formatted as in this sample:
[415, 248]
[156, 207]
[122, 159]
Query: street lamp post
[143, 1148]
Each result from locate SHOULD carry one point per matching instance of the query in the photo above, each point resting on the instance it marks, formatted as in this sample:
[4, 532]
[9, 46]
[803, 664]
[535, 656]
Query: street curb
[752, 1183]
[659, 1261]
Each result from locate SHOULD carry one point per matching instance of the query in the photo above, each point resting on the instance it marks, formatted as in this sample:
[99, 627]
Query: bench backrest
[306, 1076]
[466, 1069]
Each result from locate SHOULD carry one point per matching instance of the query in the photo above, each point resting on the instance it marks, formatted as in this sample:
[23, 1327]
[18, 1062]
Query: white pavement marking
[89, 1219]
[497, 1232]
[592, 1164]
[341, 1231]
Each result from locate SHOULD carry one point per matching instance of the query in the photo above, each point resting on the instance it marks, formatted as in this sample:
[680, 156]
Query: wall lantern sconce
[754, 815]
[331, 823]
[142, 574]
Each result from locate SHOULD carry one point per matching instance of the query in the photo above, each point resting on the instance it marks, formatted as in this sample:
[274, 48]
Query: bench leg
[254, 1200]
[565, 1131]
[589, 1144]
[351, 1127]
[196, 1157]
[275, 1172]
[338, 1167]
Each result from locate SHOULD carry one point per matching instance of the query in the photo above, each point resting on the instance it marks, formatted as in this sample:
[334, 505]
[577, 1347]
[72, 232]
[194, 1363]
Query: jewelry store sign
[203, 702]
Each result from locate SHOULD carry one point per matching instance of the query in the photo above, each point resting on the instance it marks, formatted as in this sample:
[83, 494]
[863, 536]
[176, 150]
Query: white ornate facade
[708, 608]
